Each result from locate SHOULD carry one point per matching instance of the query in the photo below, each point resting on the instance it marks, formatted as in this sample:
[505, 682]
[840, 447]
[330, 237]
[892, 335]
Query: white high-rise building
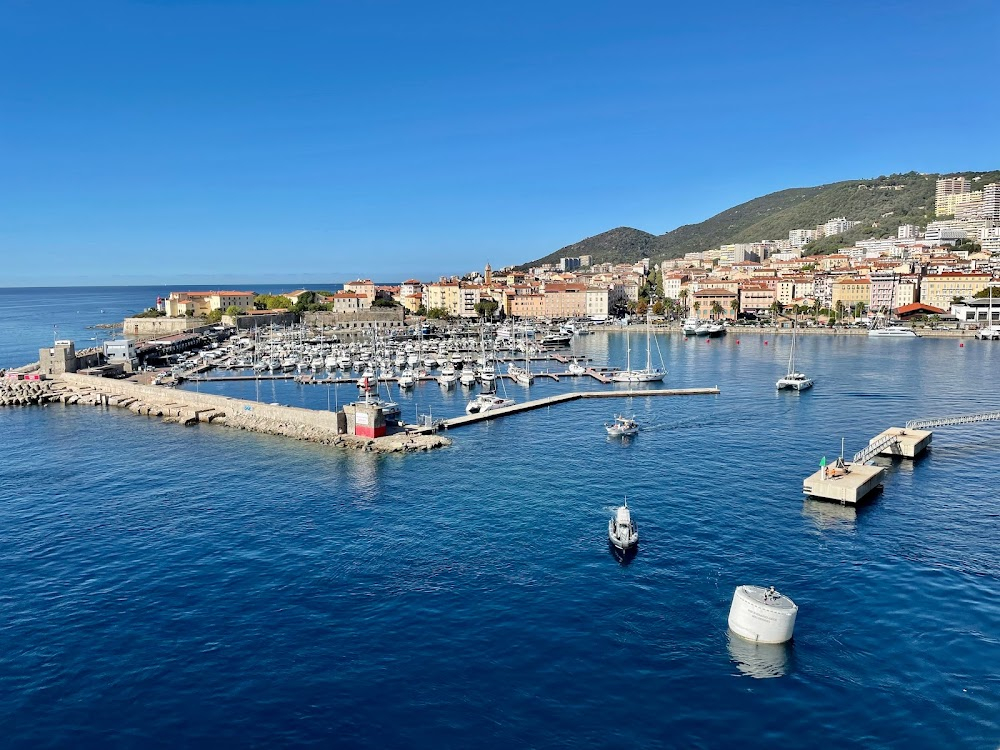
[949, 186]
[907, 232]
[990, 208]
[838, 226]
[799, 237]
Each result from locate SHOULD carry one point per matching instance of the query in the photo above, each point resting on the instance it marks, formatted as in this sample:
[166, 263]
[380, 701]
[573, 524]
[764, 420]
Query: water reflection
[625, 557]
[760, 660]
[828, 515]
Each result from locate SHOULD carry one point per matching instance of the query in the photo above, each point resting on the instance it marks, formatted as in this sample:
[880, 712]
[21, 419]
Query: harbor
[419, 546]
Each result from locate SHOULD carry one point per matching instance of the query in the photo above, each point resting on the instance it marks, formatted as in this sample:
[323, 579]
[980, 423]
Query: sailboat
[795, 381]
[991, 331]
[649, 374]
[523, 376]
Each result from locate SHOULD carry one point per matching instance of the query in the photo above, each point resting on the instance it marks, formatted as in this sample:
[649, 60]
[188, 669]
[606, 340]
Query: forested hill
[887, 201]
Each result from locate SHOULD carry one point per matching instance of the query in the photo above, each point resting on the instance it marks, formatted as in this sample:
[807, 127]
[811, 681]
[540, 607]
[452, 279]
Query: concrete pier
[908, 443]
[560, 399]
[849, 484]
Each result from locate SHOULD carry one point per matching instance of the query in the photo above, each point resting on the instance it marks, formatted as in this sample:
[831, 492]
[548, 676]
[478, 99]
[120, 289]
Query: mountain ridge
[886, 201]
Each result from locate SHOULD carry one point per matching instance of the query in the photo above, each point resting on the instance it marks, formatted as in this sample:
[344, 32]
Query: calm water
[165, 586]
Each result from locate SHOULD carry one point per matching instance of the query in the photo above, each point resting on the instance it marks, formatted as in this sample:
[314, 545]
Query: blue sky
[176, 140]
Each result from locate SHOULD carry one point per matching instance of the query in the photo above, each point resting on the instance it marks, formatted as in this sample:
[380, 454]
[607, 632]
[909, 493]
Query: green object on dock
[822, 462]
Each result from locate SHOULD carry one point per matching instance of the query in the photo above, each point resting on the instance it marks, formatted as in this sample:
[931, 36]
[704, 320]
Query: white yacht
[795, 381]
[575, 368]
[622, 532]
[622, 426]
[690, 326]
[406, 379]
[467, 378]
[485, 402]
[895, 332]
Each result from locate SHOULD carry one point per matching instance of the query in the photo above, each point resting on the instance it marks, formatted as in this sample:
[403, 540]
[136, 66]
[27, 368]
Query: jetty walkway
[453, 422]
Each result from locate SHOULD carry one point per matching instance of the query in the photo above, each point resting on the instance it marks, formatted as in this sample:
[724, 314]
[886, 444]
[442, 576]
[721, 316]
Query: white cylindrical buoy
[762, 615]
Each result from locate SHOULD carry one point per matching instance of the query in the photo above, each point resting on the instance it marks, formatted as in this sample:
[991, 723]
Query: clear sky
[174, 140]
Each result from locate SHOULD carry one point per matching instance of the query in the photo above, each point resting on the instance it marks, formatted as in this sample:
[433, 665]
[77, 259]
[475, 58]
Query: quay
[561, 398]
[854, 481]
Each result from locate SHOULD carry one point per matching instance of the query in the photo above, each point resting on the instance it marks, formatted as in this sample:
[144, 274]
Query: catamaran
[793, 380]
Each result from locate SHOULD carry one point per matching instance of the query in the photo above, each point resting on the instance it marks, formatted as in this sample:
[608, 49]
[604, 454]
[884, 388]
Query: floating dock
[844, 483]
[902, 442]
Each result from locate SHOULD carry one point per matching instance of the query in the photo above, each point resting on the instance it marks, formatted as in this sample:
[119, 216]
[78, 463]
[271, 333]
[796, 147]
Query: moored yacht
[895, 332]
[485, 402]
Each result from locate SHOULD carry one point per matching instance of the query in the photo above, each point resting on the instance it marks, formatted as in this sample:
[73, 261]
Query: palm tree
[684, 296]
[735, 307]
[840, 307]
[859, 309]
[716, 310]
[696, 307]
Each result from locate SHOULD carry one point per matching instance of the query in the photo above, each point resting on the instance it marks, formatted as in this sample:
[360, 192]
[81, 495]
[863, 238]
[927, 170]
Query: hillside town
[930, 271]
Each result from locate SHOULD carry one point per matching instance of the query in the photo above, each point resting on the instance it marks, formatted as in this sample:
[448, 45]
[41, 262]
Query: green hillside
[882, 204]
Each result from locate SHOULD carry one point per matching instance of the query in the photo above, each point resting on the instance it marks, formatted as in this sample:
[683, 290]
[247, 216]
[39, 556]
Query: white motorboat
[894, 332]
[690, 326]
[575, 368]
[622, 532]
[447, 379]
[795, 381]
[467, 378]
[622, 426]
[406, 379]
[485, 402]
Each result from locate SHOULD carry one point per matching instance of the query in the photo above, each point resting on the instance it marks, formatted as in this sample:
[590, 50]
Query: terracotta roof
[918, 307]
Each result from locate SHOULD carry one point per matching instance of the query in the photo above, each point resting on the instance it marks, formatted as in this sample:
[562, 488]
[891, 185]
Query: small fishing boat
[622, 533]
[622, 426]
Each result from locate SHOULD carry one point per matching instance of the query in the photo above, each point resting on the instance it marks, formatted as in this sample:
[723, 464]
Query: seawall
[328, 428]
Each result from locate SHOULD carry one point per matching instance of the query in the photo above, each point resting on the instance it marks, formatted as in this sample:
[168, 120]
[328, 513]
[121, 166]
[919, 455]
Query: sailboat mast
[791, 351]
[649, 360]
[628, 351]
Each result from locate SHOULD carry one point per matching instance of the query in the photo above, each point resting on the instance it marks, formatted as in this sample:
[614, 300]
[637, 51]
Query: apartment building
[939, 289]
[852, 291]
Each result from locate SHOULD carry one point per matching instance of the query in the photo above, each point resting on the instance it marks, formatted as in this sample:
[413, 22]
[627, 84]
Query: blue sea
[163, 586]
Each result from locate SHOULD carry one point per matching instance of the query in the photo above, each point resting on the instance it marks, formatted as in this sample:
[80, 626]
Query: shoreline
[772, 330]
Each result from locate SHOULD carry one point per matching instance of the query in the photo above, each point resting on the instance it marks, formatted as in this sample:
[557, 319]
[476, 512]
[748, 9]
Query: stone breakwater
[189, 409]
